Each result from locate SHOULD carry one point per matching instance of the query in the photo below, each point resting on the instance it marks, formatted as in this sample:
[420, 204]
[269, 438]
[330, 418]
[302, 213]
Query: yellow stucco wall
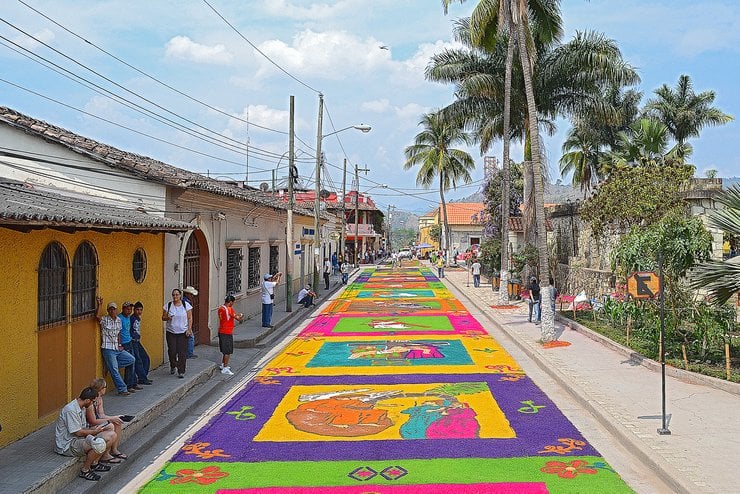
[18, 304]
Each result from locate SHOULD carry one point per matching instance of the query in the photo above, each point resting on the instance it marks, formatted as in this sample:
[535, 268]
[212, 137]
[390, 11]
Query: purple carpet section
[534, 431]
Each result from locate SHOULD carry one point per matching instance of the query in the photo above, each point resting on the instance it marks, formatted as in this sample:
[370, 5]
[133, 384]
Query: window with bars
[84, 280]
[253, 268]
[52, 286]
[233, 271]
[138, 265]
[274, 259]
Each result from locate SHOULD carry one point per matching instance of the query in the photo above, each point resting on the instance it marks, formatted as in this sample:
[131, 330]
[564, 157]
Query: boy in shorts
[226, 317]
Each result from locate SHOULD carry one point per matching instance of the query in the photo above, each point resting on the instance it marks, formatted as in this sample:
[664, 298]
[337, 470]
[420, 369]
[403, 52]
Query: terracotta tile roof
[461, 213]
[516, 224]
[430, 214]
[23, 206]
[136, 164]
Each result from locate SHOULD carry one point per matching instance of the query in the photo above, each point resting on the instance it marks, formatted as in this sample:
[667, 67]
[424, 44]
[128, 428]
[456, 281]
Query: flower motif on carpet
[569, 470]
[568, 443]
[266, 380]
[362, 474]
[199, 450]
[529, 407]
[204, 476]
[164, 476]
[243, 414]
[276, 371]
[393, 473]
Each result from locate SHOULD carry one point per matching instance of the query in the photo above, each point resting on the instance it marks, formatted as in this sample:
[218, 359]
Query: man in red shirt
[226, 317]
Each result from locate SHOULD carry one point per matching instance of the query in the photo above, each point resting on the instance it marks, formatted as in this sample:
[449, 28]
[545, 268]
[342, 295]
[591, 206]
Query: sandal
[122, 456]
[112, 460]
[89, 475]
[100, 468]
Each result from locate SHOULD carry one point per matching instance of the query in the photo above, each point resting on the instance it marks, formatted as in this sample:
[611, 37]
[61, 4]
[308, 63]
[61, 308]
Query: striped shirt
[110, 328]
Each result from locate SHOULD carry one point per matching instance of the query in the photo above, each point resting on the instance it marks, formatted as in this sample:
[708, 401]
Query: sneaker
[172, 371]
[227, 371]
[132, 390]
[221, 366]
[124, 393]
[192, 356]
[147, 382]
[137, 387]
[181, 376]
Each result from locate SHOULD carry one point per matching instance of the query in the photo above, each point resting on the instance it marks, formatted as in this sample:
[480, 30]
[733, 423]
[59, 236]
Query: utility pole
[344, 215]
[357, 210]
[388, 244]
[317, 202]
[292, 175]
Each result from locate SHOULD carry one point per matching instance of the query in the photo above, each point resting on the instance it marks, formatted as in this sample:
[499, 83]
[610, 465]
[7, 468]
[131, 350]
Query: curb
[682, 374]
[666, 473]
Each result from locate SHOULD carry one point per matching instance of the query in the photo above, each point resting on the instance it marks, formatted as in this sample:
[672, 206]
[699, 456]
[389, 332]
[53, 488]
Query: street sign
[643, 284]
[297, 250]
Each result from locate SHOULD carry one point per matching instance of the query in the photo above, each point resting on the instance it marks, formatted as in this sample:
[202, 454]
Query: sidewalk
[623, 391]
[30, 464]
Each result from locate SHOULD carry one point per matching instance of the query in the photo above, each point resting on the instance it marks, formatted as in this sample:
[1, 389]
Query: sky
[232, 65]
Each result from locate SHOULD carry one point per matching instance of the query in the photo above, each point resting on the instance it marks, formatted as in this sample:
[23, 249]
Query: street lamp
[317, 202]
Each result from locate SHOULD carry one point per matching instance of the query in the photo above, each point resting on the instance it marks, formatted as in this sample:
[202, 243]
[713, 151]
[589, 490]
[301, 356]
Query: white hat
[97, 444]
[192, 291]
[267, 276]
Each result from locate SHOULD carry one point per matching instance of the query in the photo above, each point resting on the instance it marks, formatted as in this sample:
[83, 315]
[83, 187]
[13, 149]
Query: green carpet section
[586, 474]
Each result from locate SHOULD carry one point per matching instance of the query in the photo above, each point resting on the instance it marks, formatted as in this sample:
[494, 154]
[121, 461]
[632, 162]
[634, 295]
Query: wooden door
[52, 369]
[195, 274]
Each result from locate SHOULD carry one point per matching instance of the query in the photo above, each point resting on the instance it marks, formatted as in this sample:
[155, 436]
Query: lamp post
[317, 202]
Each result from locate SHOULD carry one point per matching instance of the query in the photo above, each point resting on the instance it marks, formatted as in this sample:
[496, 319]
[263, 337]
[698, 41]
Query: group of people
[84, 430]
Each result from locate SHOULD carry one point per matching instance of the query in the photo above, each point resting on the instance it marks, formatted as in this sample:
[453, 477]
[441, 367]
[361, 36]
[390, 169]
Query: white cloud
[44, 35]
[315, 11]
[182, 47]
[377, 106]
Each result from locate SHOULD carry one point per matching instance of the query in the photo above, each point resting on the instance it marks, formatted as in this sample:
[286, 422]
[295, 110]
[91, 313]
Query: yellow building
[60, 253]
[426, 222]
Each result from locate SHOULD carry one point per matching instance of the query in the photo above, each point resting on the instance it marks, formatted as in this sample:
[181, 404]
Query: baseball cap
[97, 443]
[267, 276]
[112, 305]
[126, 304]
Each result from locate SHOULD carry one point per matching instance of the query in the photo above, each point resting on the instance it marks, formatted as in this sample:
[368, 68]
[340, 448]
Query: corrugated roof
[23, 206]
[141, 166]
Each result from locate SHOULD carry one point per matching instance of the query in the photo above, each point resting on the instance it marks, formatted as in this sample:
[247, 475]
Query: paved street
[394, 387]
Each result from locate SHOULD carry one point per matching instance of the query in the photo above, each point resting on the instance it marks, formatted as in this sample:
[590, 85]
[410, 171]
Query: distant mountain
[554, 194]
[405, 219]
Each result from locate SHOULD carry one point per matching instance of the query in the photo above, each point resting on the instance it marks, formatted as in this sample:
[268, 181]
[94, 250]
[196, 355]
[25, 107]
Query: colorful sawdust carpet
[394, 388]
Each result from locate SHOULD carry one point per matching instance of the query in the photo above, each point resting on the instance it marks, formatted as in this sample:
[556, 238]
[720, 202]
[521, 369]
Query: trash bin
[514, 289]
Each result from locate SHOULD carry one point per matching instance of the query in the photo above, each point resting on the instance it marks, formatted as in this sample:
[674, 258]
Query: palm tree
[721, 279]
[645, 143]
[684, 112]
[432, 149]
[581, 157]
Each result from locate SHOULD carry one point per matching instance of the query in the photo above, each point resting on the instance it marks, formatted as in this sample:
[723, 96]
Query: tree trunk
[503, 291]
[445, 226]
[548, 320]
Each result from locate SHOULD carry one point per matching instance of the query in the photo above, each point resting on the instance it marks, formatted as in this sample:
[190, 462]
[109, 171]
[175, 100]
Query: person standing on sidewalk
[178, 315]
[226, 317]
[114, 355]
[268, 297]
[187, 295]
[535, 300]
[475, 270]
[129, 373]
[440, 267]
[327, 272]
[345, 272]
[143, 363]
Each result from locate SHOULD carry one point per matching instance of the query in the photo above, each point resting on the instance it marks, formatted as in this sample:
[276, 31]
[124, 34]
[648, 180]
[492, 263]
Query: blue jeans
[440, 273]
[129, 373]
[266, 315]
[142, 361]
[191, 344]
[537, 310]
[345, 277]
[114, 359]
[476, 280]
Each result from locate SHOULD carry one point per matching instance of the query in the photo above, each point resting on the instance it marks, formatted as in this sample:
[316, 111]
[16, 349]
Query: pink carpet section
[487, 488]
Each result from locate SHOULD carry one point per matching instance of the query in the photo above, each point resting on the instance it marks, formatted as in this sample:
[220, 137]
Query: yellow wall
[18, 305]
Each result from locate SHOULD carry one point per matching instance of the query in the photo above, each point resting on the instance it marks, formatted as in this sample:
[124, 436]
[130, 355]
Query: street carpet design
[393, 388]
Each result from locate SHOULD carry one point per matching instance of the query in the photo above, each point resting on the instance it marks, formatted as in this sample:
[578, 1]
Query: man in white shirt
[114, 355]
[268, 297]
[306, 296]
[73, 437]
[475, 269]
[327, 272]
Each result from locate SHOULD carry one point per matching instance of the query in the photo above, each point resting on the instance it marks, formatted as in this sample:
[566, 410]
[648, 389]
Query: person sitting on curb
[72, 436]
[96, 416]
[114, 355]
[306, 296]
[226, 317]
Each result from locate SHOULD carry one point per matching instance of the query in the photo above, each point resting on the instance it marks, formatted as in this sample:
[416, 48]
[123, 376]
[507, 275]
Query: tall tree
[683, 111]
[581, 157]
[433, 151]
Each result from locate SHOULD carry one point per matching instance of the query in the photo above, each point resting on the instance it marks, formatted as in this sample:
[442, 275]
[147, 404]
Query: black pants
[177, 350]
[326, 281]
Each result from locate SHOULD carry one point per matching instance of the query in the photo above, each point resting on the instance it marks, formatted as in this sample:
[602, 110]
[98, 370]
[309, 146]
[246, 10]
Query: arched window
[52, 288]
[139, 265]
[84, 280]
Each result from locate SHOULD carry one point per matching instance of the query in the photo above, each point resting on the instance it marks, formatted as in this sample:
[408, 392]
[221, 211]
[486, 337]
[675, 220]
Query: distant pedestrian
[226, 317]
[114, 355]
[440, 267]
[345, 272]
[268, 297]
[334, 264]
[188, 295]
[306, 296]
[475, 270]
[178, 315]
[129, 375]
[327, 272]
[143, 362]
[535, 299]
[553, 294]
